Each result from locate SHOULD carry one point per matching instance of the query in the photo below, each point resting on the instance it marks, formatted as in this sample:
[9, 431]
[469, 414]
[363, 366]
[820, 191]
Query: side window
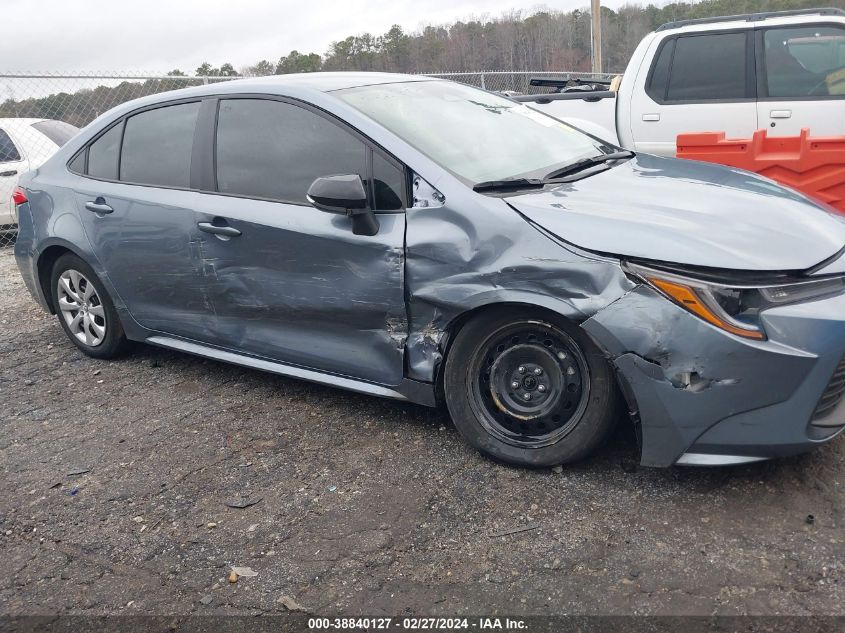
[270, 149]
[8, 152]
[708, 67]
[656, 88]
[388, 184]
[157, 146]
[102, 154]
[805, 61]
[77, 165]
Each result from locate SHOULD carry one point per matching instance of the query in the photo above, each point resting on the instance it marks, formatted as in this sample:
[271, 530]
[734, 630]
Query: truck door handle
[653, 116]
[8, 173]
[98, 206]
[780, 114]
[226, 230]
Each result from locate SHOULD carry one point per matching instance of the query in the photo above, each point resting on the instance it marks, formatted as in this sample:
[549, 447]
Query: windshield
[476, 135]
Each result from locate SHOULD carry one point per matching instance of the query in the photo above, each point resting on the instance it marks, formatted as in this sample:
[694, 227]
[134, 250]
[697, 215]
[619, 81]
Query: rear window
[157, 146]
[8, 152]
[57, 131]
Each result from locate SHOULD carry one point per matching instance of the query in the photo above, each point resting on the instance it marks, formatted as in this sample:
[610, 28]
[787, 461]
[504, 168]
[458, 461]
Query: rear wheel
[85, 311]
[528, 389]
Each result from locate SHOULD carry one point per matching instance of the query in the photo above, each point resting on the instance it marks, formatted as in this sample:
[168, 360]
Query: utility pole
[595, 30]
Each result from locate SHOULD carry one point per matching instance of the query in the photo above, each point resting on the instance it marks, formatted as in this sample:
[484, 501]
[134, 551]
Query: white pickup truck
[782, 71]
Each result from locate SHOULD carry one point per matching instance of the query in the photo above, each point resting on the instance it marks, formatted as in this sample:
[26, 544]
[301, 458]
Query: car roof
[307, 86]
[329, 81]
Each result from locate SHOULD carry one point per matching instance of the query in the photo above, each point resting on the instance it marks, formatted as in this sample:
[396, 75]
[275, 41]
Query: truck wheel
[528, 389]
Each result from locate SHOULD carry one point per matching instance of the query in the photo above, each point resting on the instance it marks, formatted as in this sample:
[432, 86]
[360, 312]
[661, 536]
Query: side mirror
[344, 195]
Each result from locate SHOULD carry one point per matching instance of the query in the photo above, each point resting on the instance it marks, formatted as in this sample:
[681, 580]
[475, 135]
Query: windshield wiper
[586, 163]
[508, 183]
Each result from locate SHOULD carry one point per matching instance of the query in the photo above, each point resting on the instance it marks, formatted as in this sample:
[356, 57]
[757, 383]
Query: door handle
[780, 114]
[651, 117]
[8, 173]
[226, 230]
[98, 206]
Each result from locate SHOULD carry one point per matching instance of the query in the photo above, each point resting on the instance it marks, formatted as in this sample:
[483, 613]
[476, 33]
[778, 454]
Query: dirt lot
[367, 506]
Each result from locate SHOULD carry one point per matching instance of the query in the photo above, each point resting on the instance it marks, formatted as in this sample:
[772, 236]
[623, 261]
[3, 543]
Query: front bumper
[706, 396]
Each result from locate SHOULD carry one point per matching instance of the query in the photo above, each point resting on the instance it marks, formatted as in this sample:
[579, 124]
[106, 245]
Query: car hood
[688, 212]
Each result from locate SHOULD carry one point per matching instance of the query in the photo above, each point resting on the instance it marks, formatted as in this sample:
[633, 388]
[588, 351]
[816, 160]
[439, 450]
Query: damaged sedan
[418, 239]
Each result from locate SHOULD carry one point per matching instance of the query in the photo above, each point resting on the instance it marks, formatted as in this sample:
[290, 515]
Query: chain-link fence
[39, 113]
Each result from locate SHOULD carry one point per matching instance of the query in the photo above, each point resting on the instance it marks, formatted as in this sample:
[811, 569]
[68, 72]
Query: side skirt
[408, 390]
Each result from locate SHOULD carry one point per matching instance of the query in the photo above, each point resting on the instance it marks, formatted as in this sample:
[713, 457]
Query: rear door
[698, 82]
[801, 72]
[138, 212]
[290, 282]
[12, 164]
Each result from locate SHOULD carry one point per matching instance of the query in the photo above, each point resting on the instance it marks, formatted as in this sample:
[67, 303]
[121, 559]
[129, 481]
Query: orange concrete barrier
[814, 166]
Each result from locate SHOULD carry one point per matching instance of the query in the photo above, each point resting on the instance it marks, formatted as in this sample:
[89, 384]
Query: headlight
[731, 307]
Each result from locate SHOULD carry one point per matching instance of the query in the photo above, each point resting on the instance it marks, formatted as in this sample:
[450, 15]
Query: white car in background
[24, 145]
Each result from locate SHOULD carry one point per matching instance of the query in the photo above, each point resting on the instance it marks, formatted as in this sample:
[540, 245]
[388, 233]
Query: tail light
[18, 196]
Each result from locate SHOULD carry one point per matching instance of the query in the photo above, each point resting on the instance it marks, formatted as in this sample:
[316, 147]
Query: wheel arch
[44, 267]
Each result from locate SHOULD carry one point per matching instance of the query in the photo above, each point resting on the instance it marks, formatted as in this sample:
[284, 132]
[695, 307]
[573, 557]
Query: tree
[207, 70]
[296, 62]
[176, 73]
[261, 69]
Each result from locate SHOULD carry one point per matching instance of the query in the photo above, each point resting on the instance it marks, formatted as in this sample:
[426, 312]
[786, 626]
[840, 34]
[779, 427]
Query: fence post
[483, 85]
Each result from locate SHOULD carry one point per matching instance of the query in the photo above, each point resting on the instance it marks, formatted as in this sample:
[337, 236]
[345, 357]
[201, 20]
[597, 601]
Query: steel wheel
[81, 308]
[530, 384]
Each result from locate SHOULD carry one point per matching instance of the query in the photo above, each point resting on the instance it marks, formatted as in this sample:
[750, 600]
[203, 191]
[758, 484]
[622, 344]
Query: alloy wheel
[81, 308]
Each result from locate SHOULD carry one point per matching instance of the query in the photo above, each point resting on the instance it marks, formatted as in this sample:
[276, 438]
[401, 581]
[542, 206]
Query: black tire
[98, 308]
[565, 420]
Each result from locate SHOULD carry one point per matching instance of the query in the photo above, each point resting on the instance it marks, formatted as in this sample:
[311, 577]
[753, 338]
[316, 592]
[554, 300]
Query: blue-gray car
[427, 241]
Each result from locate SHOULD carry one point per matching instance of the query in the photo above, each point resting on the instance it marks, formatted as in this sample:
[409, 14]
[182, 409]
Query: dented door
[297, 286]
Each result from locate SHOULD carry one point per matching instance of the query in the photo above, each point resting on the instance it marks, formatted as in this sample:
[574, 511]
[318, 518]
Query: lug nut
[541, 388]
[520, 369]
[515, 384]
[537, 371]
[527, 396]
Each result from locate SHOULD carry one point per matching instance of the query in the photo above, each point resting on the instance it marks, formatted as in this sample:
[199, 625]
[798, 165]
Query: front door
[284, 280]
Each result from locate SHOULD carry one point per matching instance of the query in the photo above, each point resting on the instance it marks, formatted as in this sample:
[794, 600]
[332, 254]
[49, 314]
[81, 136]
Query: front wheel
[529, 390]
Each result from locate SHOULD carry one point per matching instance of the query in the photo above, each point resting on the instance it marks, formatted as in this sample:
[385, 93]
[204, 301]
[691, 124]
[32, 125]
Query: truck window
[708, 67]
[656, 88]
[805, 61]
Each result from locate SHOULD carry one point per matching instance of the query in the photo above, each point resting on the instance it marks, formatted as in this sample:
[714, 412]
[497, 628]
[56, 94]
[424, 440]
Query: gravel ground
[367, 506]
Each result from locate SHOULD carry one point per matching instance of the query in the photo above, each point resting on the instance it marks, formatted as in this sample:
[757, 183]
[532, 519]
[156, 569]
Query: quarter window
[708, 67]
[102, 154]
[805, 61]
[157, 146]
[8, 152]
[270, 149]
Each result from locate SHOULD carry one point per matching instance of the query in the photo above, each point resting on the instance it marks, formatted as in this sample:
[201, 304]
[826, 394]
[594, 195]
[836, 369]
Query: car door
[12, 164]
[134, 198]
[801, 79]
[698, 82]
[284, 280]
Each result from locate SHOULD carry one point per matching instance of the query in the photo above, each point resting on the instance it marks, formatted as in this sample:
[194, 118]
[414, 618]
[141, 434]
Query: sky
[160, 35]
